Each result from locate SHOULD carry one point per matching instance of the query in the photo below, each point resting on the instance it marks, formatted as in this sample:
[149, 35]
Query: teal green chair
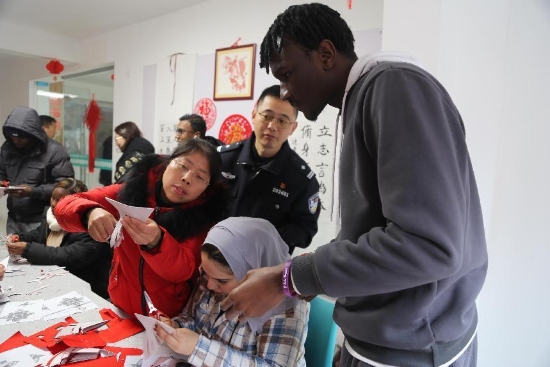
[321, 333]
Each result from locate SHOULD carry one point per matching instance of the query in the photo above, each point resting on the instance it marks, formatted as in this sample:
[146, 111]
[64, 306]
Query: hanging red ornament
[349, 4]
[113, 77]
[92, 118]
[55, 67]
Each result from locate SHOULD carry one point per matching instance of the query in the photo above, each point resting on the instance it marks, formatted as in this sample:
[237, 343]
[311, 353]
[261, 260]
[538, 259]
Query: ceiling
[79, 19]
[82, 19]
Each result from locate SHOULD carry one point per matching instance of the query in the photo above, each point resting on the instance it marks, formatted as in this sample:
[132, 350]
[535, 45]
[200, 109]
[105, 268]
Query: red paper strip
[118, 328]
[15, 341]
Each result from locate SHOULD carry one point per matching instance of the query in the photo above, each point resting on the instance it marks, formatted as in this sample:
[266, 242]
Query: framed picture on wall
[234, 73]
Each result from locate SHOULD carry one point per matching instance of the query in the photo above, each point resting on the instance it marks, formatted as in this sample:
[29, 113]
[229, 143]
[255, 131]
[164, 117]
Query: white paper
[15, 312]
[153, 347]
[126, 210]
[66, 305]
[27, 355]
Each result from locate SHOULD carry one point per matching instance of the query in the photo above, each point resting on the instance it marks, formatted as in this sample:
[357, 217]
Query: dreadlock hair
[307, 25]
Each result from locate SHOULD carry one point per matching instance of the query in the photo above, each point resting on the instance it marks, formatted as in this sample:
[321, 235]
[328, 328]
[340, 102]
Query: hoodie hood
[26, 120]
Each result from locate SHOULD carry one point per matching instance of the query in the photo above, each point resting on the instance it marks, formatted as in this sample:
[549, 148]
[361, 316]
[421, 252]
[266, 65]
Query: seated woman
[204, 337]
[78, 252]
[161, 255]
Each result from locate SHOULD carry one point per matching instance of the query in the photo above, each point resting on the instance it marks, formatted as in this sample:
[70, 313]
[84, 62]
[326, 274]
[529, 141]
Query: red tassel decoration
[92, 118]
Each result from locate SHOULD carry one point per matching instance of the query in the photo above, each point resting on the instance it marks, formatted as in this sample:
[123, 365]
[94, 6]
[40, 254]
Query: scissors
[153, 311]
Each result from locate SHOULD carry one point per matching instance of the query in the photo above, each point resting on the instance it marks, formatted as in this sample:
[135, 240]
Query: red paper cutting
[118, 329]
[15, 341]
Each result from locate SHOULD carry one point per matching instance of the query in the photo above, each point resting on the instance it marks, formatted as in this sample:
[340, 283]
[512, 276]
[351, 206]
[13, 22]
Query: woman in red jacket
[162, 254]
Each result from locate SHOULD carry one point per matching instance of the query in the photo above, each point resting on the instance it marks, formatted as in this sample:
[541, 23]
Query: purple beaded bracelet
[286, 280]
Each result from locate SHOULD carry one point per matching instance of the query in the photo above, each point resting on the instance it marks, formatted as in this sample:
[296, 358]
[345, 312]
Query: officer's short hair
[197, 123]
[274, 91]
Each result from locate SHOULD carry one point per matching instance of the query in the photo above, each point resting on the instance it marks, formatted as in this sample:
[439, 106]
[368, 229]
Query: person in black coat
[77, 252]
[133, 146]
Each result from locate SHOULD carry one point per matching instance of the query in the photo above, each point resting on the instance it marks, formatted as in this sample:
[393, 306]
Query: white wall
[493, 57]
[14, 79]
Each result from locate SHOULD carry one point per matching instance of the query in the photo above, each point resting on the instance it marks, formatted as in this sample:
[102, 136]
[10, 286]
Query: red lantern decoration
[92, 118]
[55, 67]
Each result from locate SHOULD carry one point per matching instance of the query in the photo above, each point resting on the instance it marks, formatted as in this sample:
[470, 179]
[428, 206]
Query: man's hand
[16, 248]
[2, 271]
[143, 233]
[24, 191]
[259, 291]
[101, 224]
[182, 341]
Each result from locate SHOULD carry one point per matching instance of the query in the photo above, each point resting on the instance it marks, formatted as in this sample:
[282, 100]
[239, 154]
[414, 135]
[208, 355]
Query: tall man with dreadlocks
[410, 257]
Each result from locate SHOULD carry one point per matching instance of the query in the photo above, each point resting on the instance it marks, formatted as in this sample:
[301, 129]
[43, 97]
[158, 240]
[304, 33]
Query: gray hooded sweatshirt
[410, 258]
[40, 167]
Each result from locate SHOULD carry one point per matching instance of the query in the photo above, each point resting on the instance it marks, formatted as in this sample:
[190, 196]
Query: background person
[162, 254]
[49, 125]
[133, 146]
[268, 179]
[193, 126]
[410, 258]
[30, 160]
[206, 337]
[49, 244]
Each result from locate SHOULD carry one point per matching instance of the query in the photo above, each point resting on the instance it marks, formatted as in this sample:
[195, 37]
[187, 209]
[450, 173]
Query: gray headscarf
[251, 243]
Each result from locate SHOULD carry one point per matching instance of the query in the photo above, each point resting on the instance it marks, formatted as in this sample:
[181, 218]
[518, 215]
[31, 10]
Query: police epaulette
[303, 167]
[225, 148]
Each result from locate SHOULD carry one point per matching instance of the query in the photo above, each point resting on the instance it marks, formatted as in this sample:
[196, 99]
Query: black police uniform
[282, 190]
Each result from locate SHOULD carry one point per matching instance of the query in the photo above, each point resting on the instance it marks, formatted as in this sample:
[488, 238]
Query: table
[57, 286]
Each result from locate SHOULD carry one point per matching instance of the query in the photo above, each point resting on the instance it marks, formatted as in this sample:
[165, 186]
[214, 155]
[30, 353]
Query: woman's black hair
[128, 130]
[215, 254]
[72, 185]
[203, 147]
[307, 25]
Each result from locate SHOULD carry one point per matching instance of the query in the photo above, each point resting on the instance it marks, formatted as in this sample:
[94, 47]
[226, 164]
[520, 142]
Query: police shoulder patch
[313, 203]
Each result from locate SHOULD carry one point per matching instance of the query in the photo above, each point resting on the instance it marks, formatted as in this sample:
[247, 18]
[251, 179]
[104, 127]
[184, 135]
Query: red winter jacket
[167, 272]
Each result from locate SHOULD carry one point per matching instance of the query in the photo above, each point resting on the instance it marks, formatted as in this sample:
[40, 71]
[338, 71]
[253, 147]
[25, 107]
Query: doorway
[67, 100]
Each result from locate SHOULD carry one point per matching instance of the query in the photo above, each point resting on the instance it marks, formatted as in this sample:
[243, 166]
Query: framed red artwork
[234, 73]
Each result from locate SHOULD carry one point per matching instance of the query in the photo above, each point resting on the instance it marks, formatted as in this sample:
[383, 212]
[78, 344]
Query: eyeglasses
[182, 168]
[181, 131]
[281, 122]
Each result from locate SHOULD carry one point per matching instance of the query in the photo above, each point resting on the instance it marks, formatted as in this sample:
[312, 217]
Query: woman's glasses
[185, 171]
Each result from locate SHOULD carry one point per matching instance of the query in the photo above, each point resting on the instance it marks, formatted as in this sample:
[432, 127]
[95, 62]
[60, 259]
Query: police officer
[268, 179]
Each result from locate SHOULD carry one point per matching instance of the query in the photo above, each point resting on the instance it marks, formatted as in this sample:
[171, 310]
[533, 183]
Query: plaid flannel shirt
[223, 342]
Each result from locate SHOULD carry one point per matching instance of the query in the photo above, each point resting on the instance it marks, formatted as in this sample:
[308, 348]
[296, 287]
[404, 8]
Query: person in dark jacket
[106, 153]
[268, 179]
[193, 126]
[133, 146]
[78, 252]
[33, 163]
